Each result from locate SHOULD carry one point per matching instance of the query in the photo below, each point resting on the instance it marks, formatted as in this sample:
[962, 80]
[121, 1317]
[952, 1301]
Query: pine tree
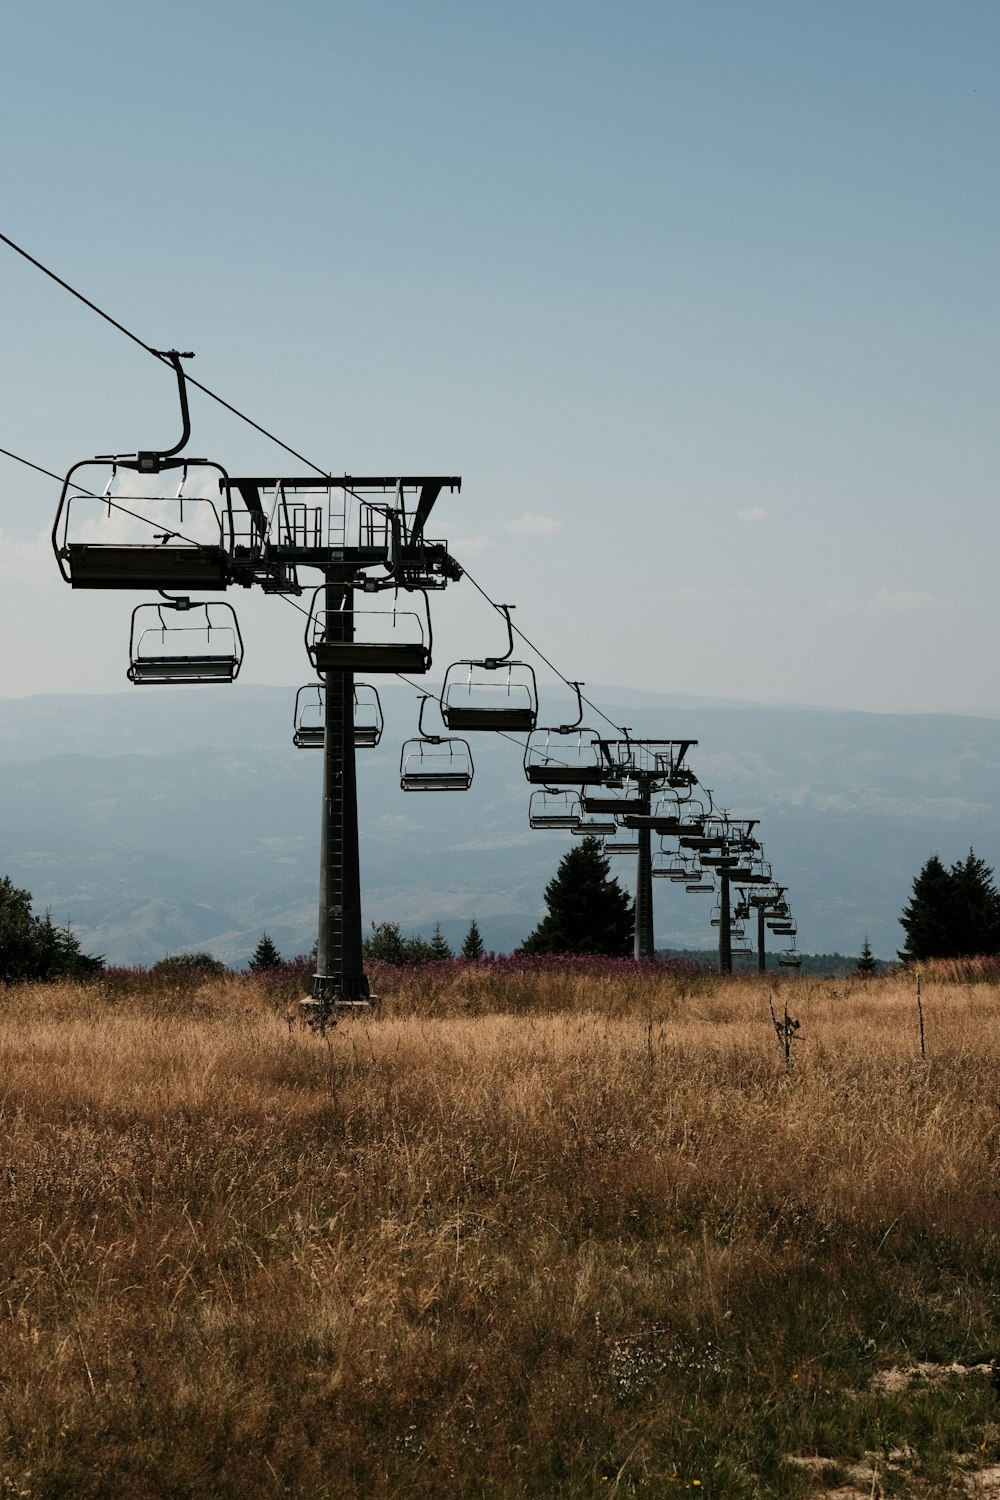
[867, 963]
[588, 912]
[34, 947]
[473, 945]
[976, 907]
[952, 913]
[439, 946]
[928, 919]
[265, 955]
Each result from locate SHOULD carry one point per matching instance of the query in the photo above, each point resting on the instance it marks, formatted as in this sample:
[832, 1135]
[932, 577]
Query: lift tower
[363, 537]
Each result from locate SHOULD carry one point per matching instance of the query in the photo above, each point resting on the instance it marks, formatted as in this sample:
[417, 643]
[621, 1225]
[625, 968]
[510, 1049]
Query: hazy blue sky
[700, 299]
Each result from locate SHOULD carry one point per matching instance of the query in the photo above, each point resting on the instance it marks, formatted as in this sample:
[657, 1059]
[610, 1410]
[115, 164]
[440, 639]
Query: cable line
[29, 465]
[158, 354]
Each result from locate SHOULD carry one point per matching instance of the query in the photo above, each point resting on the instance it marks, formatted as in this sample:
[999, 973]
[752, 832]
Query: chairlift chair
[551, 807]
[566, 754]
[790, 958]
[369, 640]
[434, 762]
[621, 846]
[116, 527]
[594, 826]
[495, 692]
[552, 758]
[310, 717]
[206, 647]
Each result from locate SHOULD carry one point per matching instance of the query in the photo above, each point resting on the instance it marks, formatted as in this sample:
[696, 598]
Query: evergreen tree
[928, 919]
[867, 963]
[439, 946]
[386, 943]
[952, 913]
[588, 912]
[473, 945]
[265, 956]
[976, 908]
[34, 947]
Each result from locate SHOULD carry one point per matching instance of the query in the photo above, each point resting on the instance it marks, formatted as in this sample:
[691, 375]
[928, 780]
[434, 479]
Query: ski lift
[368, 640]
[626, 799]
[680, 870]
[700, 885]
[207, 648]
[310, 717]
[116, 528]
[434, 762]
[551, 808]
[621, 846]
[594, 826]
[790, 958]
[494, 693]
[566, 754]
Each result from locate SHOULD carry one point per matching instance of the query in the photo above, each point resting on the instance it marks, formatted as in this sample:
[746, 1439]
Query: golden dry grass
[590, 1235]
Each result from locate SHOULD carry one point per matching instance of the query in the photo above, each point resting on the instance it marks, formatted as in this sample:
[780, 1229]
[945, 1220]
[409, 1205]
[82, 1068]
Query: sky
[699, 297]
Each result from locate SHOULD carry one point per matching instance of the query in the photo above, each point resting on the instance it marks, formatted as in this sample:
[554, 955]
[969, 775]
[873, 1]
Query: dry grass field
[559, 1231]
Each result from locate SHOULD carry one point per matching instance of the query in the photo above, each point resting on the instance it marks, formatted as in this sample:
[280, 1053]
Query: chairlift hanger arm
[151, 461]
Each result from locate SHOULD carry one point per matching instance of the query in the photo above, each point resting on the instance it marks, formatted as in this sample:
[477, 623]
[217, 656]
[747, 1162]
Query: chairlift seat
[370, 656]
[479, 716]
[166, 669]
[547, 773]
[436, 781]
[594, 827]
[310, 737]
[94, 565]
[655, 822]
[617, 805]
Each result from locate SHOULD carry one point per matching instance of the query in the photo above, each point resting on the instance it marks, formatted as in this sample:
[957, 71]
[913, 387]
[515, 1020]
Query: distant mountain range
[163, 820]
